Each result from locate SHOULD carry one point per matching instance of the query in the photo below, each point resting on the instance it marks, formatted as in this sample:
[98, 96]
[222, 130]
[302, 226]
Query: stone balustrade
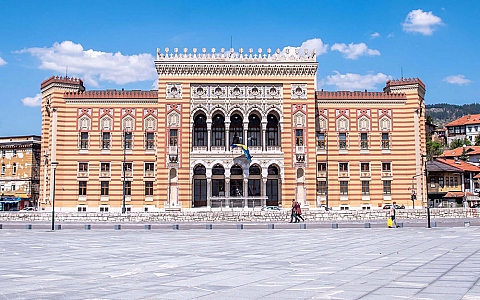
[229, 216]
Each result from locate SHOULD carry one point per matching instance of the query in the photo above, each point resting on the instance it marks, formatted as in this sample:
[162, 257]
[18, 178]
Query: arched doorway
[272, 186]
[199, 186]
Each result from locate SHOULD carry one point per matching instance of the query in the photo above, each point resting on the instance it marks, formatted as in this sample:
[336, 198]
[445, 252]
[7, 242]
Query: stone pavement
[322, 263]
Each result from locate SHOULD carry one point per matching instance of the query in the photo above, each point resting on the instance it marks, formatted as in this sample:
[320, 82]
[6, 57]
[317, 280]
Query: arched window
[200, 130]
[272, 130]
[236, 129]
[236, 170]
[218, 181]
[254, 135]
[218, 130]
[272, 191]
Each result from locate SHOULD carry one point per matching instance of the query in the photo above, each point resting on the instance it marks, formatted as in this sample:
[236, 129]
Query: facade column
[209, 192]
[245, 189]
[245, 134]
[227, 192]
[209, 135]
[264, 191]
[264, 137]
[227, 136]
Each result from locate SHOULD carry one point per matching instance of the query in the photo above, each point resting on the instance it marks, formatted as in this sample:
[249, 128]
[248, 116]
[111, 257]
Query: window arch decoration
[299, 119]
[150, 123]
[173, 119]
[84, 123]
[342, 124]
[321, 124]
[363, 124]
[128, 123]
[106, 123]
[385, 124]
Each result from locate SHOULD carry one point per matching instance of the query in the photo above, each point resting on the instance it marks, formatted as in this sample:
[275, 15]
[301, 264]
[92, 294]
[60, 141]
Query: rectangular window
[105, 140]
[322, 167]
[150, 141]
[342, 140]
[3, 169]
[82, 167]
[455, 181]
[365, 187]
[128, 188]
[173, 137]
[299, 137]
[321, 187]
[84, 140]
[14, 169]
[127, 168]
[363, 140]
[81, 208]
[447, 182]
[103, 208]
[13, 187]
[148, 188]
[128, 140]
[82, 188]
[440, 181]
[3, 153]
[385, 141]
[365, 167]
[343, 187]
[104, 188]
[343, 167]
[320, 140]
[387, 187]
[386, 167]
[14, 152]
[149, 169]
[254, 187]
[451, 181]
[105, 167]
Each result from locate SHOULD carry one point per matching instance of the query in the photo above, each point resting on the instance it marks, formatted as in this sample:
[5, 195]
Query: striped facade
[171, 148]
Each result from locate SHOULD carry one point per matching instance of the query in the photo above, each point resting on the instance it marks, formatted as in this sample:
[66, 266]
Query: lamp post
[54, 165]
[124, 209]
[425, 172]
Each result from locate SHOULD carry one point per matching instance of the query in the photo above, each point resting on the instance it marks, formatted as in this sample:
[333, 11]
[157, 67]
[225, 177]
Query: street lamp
[124, 209]
[54, 165]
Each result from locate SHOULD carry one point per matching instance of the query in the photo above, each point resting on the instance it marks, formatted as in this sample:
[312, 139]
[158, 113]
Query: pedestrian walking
[292, 214]
[393, 214]
[298, 213]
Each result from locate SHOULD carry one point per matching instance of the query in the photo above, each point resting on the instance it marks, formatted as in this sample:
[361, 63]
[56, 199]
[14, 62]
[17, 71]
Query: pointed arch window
[236, 130]
[200, 131]
[218, 131]
[272, 130]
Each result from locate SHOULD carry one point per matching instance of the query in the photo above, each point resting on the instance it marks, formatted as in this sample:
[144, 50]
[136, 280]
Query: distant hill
[444, 113]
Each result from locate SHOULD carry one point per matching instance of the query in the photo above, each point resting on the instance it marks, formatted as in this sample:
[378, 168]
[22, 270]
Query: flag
[245, 150]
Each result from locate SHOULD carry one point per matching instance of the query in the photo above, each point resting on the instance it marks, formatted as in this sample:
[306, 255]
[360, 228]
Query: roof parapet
[240, 56]
[60, 79]
[112, 94]
[404, 81]
[358, 95]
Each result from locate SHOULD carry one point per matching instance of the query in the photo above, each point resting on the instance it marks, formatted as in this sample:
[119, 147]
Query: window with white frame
[363, 141]
[342, 140]
[365, 188]
[387, 187]
[343, 187]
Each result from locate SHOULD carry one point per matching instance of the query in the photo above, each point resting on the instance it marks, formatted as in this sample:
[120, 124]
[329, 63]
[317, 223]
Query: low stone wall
[236, 216]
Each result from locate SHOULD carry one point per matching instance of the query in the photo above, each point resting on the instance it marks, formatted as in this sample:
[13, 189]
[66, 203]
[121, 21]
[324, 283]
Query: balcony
[199, 148]
[274, 149]
[365, 174]
[300, 149]
[300, 158]
[82, 174]
[104, 173]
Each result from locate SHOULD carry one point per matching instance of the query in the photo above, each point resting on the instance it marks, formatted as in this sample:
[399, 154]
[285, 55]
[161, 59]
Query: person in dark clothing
[292, 214]
[298, 213]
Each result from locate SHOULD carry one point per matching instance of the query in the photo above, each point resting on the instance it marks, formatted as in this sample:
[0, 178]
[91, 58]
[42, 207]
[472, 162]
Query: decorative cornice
[219, 69]
[112, 101]
[240, 92]
[404, 81]
[112, 94]
[357, 102]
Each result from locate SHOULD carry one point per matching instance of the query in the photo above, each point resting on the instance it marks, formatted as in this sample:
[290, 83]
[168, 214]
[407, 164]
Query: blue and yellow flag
[245, 150]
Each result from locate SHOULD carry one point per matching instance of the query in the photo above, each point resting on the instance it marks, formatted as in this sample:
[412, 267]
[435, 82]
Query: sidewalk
[353, 263]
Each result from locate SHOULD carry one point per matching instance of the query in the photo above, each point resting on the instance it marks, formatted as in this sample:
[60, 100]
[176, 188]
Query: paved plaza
[256, 263]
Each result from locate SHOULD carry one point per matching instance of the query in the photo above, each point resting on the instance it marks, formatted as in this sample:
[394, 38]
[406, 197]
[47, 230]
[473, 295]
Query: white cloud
[94, 66]
[353, 51]
[33, 101]
[2, 62]
[357, 82]
[311, 44]
[390, 35]
[375, 35]
[457, 79]
[421, 22]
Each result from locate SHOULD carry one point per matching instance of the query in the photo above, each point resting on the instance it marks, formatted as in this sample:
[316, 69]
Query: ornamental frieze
[236, 92]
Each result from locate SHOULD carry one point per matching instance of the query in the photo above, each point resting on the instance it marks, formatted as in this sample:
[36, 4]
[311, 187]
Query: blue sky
[112, 44]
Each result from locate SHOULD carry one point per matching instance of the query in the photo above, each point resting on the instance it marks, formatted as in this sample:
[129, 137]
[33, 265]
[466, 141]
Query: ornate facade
[171, 148]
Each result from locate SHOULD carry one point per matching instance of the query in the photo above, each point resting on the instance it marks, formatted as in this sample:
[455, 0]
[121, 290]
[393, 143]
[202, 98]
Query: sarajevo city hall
[171, 148]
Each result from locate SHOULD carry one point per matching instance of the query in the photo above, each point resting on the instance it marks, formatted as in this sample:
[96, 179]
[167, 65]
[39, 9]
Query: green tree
[459, 143]
[434, 148]
[429, 119]
[477, 140]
